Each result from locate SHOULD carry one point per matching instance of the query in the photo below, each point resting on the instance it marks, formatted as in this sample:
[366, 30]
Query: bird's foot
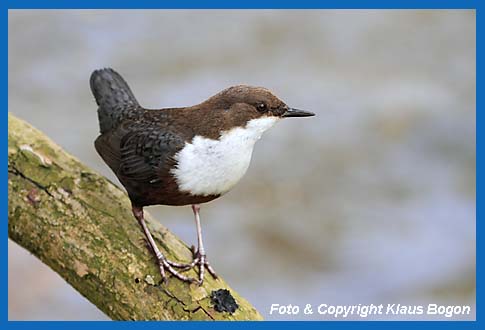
[200, 260]
[167, 265]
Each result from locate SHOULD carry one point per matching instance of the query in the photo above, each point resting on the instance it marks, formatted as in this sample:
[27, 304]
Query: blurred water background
[371, 201]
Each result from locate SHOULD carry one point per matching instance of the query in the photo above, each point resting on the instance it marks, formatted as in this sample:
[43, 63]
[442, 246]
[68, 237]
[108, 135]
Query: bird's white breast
[212, 167]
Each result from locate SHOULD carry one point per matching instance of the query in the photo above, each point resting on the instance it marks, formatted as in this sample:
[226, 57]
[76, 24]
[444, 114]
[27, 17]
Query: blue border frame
[247, 4]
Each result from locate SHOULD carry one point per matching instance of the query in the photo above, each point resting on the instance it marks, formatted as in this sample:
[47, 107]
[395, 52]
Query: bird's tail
[113, 96]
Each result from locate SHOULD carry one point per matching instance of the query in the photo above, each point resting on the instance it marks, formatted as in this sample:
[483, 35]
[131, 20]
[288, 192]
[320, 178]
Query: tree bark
[80, 224]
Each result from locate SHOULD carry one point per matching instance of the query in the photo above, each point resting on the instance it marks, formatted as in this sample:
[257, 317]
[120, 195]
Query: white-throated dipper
[181, 156]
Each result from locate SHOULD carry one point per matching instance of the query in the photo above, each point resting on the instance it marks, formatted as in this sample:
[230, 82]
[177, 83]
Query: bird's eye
[261, 107]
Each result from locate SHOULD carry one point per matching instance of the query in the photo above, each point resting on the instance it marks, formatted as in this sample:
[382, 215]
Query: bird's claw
[200, 259]
[167, 265]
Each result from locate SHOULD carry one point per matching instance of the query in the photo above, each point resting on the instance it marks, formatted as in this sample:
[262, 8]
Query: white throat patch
[212, 167]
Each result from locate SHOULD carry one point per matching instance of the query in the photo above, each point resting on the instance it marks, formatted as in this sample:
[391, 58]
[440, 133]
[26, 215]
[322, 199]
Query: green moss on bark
[80, 225]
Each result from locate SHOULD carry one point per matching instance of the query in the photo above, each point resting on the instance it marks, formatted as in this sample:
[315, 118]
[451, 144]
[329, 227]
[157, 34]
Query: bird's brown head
[242, 103]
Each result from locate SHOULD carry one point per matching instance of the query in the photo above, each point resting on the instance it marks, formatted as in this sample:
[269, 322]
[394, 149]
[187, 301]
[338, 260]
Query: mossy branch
[80, 225]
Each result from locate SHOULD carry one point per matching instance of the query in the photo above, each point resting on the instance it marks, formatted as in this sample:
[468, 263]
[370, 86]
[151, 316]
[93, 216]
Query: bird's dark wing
[108, 147]
[146, 152]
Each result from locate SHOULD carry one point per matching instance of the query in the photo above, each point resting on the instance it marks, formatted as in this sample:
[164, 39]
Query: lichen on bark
[80, 225]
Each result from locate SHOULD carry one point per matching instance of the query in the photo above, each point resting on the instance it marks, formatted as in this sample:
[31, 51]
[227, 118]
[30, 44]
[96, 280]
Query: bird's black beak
[291, 112]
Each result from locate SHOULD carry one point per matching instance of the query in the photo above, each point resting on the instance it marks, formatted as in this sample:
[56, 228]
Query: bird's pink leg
[200, 257]
[162, 261]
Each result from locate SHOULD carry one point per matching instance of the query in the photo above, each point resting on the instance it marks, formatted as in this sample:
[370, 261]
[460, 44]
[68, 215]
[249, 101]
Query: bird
[181, 156]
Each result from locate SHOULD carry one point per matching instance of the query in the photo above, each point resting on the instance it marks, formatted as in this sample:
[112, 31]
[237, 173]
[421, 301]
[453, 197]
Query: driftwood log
[80, 224]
